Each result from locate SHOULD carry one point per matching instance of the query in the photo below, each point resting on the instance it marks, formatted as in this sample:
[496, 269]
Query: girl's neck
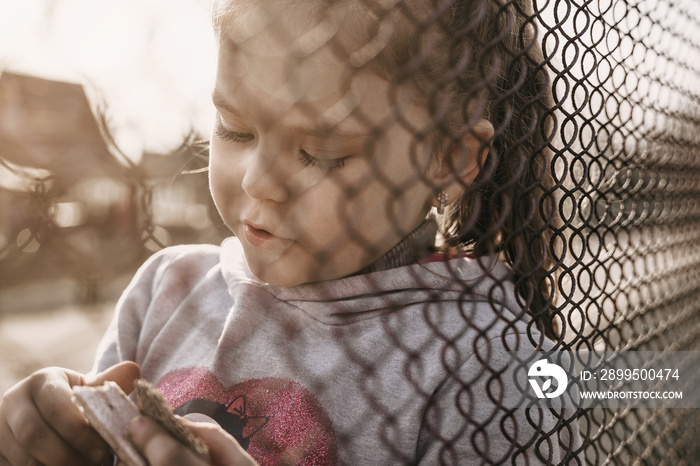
[417, 245]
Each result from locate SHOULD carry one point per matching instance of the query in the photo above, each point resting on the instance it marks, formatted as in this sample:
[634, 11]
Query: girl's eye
[226, 135]
[327, 165]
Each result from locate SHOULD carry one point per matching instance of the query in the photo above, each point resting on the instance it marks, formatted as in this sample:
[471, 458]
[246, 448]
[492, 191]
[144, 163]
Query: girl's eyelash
[305, 158]
[308, 160]
[227, 135]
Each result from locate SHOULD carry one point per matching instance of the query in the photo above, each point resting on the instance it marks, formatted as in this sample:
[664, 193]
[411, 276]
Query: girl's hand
[39, 423]
[160, 449]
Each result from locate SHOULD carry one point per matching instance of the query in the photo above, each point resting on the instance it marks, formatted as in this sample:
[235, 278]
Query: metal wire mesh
[588, 189]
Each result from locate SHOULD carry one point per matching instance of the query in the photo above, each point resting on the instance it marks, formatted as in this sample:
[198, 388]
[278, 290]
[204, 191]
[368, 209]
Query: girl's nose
[264, 177]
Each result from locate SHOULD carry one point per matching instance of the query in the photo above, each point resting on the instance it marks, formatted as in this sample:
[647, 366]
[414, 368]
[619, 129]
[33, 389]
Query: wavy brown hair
[484, 60]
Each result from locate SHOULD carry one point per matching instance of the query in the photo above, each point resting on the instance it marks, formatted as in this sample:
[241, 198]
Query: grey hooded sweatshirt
[399, 365]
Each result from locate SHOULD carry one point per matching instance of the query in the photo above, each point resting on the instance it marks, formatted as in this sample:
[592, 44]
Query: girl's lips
[263, 239]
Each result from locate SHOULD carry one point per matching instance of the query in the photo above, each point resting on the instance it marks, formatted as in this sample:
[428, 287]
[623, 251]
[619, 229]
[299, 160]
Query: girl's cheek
[225, 189]
[225, 173]
[306, 179]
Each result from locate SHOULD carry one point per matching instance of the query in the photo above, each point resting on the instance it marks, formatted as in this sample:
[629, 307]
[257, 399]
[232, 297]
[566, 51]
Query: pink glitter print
[277, 421]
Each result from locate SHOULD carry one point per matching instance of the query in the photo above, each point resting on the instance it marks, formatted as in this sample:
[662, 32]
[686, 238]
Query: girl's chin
[292, 272]
[295, 265]
[283, 270]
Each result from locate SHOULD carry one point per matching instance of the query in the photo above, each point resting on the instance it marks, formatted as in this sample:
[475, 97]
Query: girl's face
[315, 170]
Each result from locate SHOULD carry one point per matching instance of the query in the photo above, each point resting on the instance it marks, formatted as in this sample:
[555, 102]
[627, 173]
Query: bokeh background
[104, 107]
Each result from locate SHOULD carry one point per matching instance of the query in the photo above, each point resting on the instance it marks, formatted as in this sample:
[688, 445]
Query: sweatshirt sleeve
[467, 420]
[120, 341]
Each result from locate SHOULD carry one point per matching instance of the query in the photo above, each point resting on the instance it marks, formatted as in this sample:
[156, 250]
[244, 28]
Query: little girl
[333, 328]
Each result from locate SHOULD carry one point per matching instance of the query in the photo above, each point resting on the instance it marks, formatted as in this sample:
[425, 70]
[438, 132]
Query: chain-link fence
[567, 134]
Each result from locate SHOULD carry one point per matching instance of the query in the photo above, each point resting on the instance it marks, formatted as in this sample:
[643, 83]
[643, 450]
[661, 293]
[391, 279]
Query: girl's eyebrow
[322, 131]
[220, 102]
[317, 130]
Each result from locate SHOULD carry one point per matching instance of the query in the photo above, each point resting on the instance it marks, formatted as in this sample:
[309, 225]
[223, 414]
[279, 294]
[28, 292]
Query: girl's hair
[468, 60]
[483, 60]
[473, 59]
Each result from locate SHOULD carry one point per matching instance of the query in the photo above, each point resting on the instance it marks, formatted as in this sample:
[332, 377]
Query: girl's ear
[462, 161]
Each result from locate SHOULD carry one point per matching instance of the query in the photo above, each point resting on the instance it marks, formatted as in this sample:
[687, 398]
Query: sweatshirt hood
[364, 296]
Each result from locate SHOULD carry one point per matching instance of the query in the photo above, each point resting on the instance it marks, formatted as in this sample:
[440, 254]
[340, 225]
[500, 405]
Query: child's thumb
[125, 374]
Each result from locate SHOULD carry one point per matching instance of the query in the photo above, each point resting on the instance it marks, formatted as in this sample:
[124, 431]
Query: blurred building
[69, 208]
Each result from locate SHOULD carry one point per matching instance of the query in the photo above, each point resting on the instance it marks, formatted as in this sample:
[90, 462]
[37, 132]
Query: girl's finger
[63, 424]
[124, 374]
[159, 448]
[30, 431]
[223, 448]
[12, 452]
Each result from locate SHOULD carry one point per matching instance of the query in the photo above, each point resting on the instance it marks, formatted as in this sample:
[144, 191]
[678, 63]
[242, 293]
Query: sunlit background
[103, 105]
[150, 61]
